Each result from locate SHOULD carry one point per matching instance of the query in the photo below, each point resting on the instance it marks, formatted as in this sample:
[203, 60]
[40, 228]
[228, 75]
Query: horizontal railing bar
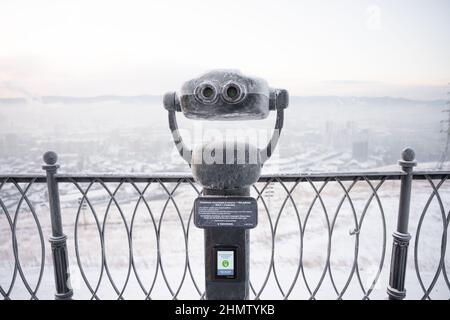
[343, 176]
[175, 177]
[172, 177]
[38, 178]
[422, 175]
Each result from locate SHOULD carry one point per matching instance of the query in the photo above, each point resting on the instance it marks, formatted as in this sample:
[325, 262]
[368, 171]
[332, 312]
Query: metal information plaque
[237, 212]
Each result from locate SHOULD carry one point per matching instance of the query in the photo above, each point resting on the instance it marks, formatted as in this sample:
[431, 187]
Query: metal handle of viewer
[186, 152]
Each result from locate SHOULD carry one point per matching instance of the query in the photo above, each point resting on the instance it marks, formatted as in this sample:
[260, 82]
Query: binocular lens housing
[226, 95]
[233, 93]
[206, 93]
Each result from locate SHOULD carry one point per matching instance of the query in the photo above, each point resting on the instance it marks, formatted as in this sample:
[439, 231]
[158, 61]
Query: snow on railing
[132, 236]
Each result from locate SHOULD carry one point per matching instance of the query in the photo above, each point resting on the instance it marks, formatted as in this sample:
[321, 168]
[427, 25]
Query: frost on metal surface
[225, 95]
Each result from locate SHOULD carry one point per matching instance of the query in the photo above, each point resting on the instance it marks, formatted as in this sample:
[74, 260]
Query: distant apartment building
[360, 150]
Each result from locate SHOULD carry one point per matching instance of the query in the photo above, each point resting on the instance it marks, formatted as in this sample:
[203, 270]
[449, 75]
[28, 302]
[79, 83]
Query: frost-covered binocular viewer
[226, 95]
[225, 210]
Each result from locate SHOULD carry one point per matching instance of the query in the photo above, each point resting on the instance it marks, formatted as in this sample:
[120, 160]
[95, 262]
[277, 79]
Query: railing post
[58, 239]
[396, 289]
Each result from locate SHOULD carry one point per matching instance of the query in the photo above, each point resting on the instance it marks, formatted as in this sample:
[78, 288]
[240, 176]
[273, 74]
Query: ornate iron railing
[132, 236]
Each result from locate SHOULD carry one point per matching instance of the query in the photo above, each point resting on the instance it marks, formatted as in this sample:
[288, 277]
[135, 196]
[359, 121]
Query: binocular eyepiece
[209, 92]
[226, 95]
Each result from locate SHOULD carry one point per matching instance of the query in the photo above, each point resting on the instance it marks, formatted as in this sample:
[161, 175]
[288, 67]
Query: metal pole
[58, 239]
[238, 238]
[396, 289]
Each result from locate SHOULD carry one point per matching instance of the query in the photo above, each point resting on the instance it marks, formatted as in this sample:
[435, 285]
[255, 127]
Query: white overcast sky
[85, 48]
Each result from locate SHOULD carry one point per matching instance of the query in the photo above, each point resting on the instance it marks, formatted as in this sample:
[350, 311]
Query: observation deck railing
[117, 236]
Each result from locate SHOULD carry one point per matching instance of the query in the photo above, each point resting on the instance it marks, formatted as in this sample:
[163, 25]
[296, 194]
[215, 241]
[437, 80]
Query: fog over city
[131, 134]
[364, 82]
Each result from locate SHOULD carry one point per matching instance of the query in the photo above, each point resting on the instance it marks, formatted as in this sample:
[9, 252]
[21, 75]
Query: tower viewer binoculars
[225, 210]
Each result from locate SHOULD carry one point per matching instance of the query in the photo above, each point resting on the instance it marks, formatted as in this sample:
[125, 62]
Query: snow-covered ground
[295, 235]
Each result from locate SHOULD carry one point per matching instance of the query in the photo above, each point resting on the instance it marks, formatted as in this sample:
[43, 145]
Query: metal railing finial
[408, 159]
[50, 158]
[58, 239]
